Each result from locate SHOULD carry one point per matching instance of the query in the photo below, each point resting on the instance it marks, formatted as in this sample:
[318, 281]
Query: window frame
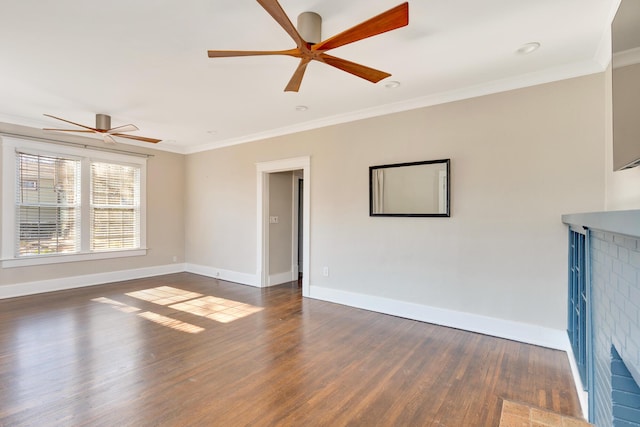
[93, 206]
[10, 146]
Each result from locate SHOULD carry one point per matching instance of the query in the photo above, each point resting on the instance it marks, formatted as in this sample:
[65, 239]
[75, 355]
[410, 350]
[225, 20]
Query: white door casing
[263, 170]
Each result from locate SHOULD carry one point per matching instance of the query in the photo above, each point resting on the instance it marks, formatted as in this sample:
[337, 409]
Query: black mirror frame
[447, 162]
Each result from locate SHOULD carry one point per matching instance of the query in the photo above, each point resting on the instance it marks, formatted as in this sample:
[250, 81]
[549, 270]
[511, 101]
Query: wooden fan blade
[275, 10]
[137, 138]
[390, 20]
[70, 130]
[234, 53]
[123, 128]
[361, 71]
[73, 123]
[296, 79]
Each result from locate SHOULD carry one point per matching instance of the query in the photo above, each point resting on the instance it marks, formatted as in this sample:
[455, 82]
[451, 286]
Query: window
[578, 302]
[62, 203]
[115, 206]
[47, 204]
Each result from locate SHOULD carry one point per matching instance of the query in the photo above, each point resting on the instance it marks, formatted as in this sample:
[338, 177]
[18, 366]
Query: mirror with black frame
[410, 189]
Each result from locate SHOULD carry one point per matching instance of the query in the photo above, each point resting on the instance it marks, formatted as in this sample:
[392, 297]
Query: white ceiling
[146, 62]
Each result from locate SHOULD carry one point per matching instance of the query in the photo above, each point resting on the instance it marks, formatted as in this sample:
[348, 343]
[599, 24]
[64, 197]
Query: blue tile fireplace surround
[604, 314]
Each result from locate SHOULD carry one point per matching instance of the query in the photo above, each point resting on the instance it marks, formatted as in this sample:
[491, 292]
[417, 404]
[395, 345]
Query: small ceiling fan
[392, 19]
[103, 127]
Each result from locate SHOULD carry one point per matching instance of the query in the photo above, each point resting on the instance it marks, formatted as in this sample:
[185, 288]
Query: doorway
[300, 206]
[264, 170]
[297, 234]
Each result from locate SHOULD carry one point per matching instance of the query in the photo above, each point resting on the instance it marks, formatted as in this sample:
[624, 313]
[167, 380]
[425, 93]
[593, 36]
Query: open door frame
[296, 238]
[263, 169]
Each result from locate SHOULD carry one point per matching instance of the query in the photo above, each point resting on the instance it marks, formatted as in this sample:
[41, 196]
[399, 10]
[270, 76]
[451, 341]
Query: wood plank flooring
[187, 350]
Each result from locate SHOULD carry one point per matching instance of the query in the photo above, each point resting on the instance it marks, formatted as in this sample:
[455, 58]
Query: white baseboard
[279, 278]
[63, 283]
[228, 275]
[522, 332]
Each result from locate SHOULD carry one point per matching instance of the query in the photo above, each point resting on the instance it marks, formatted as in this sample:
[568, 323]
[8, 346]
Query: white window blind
[115, 206]
[66, 204]
[47, 204]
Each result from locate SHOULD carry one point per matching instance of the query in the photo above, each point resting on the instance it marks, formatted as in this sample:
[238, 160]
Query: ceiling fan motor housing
[103, 121]
[310, 27]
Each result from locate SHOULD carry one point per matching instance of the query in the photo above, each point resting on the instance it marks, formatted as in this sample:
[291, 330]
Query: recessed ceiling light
[392, 84]
[302, 108]
[212, 132]
[528, 48]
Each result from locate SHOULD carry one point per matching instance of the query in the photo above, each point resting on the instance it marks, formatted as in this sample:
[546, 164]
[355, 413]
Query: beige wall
[165, 220]
[280, 234]
[519, 160]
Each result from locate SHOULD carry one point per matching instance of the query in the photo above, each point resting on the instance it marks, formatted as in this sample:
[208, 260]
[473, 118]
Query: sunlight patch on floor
[218, 309]
[214, 308]
[154, 317]
[171, 323]
[163, 295]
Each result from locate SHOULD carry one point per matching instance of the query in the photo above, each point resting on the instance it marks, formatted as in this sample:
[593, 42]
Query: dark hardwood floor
[186, 350]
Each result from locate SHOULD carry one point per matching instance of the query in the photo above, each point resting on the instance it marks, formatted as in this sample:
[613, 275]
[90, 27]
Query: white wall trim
[522, 332]
[76, 257]
[219, 273]
[603, 52]
[64, 283]
[73, 282]
[280, 278]
[628, 57]
[262, 256]
[263, 170]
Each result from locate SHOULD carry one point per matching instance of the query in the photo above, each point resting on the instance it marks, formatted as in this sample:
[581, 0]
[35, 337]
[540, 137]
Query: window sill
[57, 259]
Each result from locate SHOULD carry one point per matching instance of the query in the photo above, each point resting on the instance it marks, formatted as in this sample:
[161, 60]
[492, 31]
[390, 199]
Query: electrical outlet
[325, 271]
[273, 219]
[175, 258]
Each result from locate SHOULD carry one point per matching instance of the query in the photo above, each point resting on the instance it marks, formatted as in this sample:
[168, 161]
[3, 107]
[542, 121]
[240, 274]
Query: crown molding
[564, 72]
[626, 58]
[598, 64]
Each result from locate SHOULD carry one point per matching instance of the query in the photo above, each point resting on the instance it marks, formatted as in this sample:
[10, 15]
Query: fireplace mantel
[619, 222]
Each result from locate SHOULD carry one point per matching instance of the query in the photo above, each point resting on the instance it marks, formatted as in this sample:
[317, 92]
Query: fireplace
[625, 393]
[612, 267]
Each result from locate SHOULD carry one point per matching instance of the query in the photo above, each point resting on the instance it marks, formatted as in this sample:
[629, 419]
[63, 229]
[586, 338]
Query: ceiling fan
[390, 20]
[103, 127]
